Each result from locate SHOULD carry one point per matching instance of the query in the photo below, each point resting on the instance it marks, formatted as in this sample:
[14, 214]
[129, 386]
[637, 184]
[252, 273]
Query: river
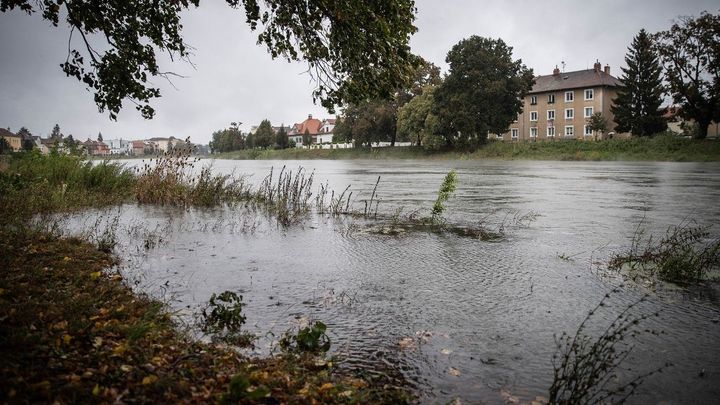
[457, 316]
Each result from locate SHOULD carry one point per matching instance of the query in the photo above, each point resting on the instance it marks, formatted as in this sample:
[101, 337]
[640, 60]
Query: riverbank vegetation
[74, 331]
[667, 147]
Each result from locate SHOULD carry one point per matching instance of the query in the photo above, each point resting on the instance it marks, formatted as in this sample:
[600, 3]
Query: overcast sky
[236, 80]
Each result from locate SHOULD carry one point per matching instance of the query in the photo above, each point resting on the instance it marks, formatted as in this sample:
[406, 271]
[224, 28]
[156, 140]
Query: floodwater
[457, 316]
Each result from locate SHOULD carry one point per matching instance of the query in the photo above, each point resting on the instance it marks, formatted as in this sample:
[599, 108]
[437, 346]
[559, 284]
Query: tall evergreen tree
[637, 106]
[281, 139]
[264, 136]
[55, 134]
[100, 138]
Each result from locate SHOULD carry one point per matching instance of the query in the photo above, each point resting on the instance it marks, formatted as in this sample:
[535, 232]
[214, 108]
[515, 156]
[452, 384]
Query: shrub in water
[311, 339]
[223, 313]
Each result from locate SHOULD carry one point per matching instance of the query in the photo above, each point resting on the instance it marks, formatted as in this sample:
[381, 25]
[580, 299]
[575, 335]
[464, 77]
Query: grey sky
[236, 80]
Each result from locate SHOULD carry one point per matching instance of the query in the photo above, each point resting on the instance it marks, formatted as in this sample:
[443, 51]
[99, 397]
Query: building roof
[574, 80]
[7, 134]
[312, 125]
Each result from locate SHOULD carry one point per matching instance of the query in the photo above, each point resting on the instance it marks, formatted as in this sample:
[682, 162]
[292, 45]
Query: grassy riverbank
[660, 148]
[72, 330]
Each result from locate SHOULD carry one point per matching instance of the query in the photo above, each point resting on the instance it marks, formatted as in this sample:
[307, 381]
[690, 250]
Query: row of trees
[483, 90]
[682, 62]
[482, 93]
[232, 138]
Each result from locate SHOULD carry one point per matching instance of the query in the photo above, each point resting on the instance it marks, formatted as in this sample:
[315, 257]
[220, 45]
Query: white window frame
[533, 100]
[585, 110]
[572, 131]
[549, 115]
[533, 132]
[533, 116]
[587, 131]
[569, 96]
[514, 133]
[551, 99]
[569, 113]
[549, 130]
[592, 94]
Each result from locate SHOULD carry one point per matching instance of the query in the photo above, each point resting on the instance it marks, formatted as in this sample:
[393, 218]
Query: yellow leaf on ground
[126, 368]
[95, 275]
[66, 259]
[96, 390]
[149, 379]
[98, 342]
[326, 387]
[67, 338]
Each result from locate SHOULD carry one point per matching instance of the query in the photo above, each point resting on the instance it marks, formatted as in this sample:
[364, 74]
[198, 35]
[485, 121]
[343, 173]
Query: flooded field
[457, 316]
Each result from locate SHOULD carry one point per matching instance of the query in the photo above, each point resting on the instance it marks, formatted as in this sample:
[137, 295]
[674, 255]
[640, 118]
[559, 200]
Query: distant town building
[559, 105]
[119, 146]
[96, 148]
[311, 125]
[14, 140]
[325, 134]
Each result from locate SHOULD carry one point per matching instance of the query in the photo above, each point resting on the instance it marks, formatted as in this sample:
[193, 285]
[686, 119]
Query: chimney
[597, 66]
[607, 69]
[309, 116]
[556, 71]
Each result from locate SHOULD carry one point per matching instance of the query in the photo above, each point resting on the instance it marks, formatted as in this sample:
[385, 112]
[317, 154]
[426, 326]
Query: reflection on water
[458, 316]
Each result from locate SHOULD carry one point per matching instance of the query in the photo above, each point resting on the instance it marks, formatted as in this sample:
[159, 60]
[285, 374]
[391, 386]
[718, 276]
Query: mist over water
[457, 316]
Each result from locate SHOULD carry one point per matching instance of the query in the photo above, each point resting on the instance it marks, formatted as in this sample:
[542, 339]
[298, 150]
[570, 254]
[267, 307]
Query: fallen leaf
[326, 387]
[454, 372]
[126, 368]
[149, 379]
[96, 390]
[98, 342]
[95, 275]
[445, 351]
[67, 338]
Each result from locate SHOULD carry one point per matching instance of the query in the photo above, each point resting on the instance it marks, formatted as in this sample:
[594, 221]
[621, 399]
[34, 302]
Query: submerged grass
[685, 254]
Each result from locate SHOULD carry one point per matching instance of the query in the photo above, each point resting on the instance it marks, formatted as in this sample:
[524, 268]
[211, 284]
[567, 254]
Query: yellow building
[13, 140]
[560, 105]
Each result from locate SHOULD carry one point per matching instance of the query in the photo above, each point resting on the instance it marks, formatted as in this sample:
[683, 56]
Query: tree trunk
[702, 129]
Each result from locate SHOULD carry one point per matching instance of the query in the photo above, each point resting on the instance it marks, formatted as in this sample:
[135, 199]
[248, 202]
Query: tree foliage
[55, 133]
[637, 106]
[226, 140]
[281, 138]
[690, 51]
[264, 135]
[482, 92]
[306, 138]
[367, 122]
[597, 123]
[353, 49]
[412, 120]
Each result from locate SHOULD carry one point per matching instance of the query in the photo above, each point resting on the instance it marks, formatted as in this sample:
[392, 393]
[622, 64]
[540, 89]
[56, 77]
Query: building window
[569, 113]
[551, 99]
[533, 116]
[588, 112]
[551, 115]
[533, 132]
[533, 100]
[569, 131]
[587, 130]
[551, 132]
[589, 94]
[569, 96]
[514, 133]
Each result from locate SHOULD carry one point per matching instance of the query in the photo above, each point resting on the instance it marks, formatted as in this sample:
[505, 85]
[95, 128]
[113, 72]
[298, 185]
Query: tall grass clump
[586, 369]
[686, 253]
[287, 196]
[34, 184]
[169, 180]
